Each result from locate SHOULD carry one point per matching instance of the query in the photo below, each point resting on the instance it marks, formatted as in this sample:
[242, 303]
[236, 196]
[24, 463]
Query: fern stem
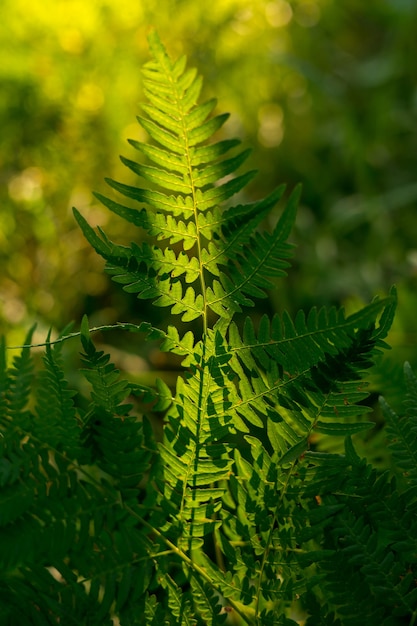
[119, 326]
[217, 549]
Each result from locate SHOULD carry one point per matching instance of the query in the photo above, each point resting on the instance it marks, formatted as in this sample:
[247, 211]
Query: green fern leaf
[191, 172]
[402, 430]
[114, 435]
[56, 423]
[15, 385]
[178, 602]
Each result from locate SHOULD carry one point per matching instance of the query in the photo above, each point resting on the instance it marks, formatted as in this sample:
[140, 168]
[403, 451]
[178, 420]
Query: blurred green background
[325, 91]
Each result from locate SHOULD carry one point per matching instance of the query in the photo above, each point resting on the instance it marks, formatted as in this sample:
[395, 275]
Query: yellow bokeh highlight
[71, 40]
[278, 13]
[271, 125]
[307, 13]
[90, 97]
[27, 186]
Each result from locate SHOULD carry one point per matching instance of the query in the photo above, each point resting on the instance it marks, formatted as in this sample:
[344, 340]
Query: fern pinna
[234, 517]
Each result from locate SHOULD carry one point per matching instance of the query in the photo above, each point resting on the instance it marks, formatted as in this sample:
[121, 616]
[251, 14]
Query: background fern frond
[56, 422]
[402, 430]
[112, 433]
[368, 530]
[15, 384]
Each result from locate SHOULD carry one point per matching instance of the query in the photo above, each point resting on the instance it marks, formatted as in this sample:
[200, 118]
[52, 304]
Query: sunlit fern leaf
[179, 603]
[200, 181]
[193, 460]
[247, 273]
[155, 614]
[207, 604]
[321, 393]
[302, 344]
[161, 226]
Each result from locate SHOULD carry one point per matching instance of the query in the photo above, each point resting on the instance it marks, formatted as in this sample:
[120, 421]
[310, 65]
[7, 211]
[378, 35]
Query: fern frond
[15, 385]
[112, 433]
[227, 271]
[369, 530]
[302, 377]
[207, 604]
[234, 515]
[193, 459]
[56, 419]
[178, 602]
[402, 430]
[53, 506]
[244, 416]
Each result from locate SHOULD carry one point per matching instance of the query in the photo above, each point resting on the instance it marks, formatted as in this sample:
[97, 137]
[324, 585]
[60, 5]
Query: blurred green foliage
[324, 91]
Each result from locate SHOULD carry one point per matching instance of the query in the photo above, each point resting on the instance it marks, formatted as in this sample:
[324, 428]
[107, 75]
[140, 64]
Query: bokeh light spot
[71, 40]
[278, 13]
[307, 13]
[90, 97]
[26, 186]
[271, 126]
